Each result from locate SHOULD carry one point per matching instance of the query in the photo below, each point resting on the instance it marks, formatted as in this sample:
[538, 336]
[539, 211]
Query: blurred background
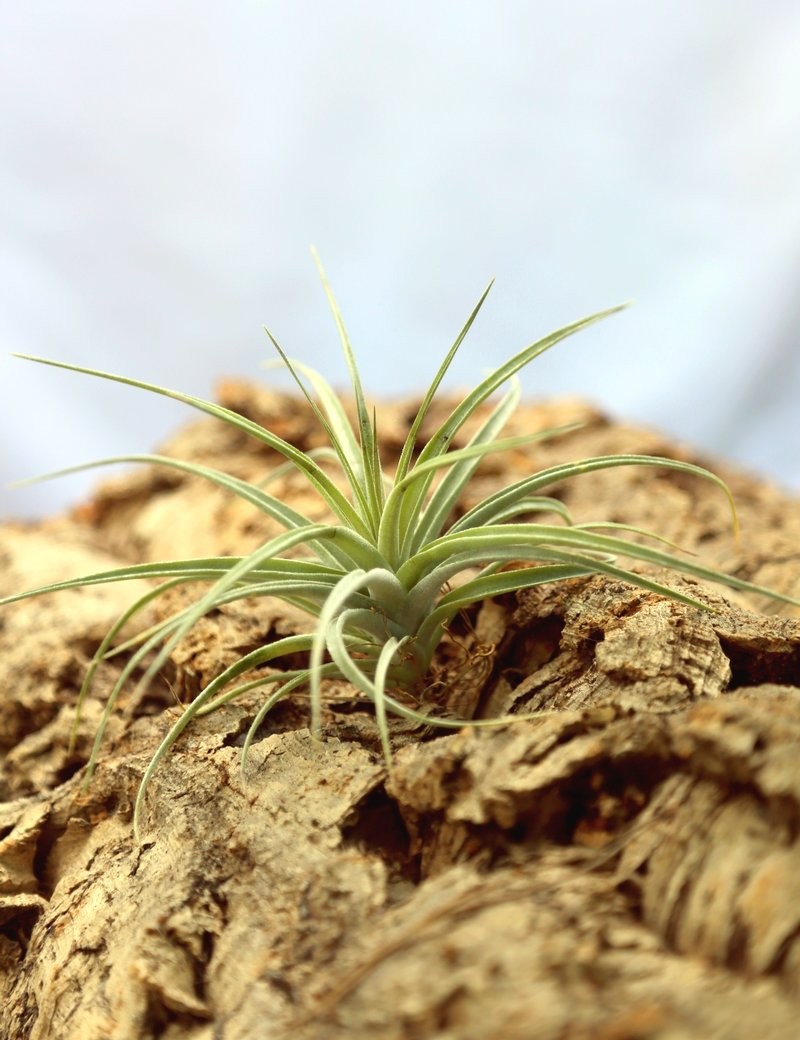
[164, 167]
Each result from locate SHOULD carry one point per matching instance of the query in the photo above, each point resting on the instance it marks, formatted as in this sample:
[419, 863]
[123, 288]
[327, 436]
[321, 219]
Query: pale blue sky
[164, 167]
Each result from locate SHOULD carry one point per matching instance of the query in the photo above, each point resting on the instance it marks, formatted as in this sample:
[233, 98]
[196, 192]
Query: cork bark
[626, 866]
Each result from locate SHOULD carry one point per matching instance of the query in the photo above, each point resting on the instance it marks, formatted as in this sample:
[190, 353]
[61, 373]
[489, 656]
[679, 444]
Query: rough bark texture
[625, 867]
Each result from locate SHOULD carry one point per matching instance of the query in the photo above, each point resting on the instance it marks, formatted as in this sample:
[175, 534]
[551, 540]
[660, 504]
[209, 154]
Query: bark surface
[626, 867]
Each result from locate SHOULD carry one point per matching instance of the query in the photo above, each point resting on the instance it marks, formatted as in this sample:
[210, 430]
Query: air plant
[376, 578]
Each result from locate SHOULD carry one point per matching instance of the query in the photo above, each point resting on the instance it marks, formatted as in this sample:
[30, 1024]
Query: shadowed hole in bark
[376, 826]
[524, 651]
[48, 836]
[208, 942]
[592, 807]
[786, 949]
[286, 717]
[163, 1021]
[69, 769]
[156, 698]
[17, 930]
[22, 720]
[738, 944]
[751, 666]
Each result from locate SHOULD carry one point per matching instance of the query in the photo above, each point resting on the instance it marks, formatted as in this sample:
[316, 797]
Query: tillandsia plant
[377, 578]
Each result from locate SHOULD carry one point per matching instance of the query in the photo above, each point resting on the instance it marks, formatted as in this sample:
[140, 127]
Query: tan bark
[625, 866]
